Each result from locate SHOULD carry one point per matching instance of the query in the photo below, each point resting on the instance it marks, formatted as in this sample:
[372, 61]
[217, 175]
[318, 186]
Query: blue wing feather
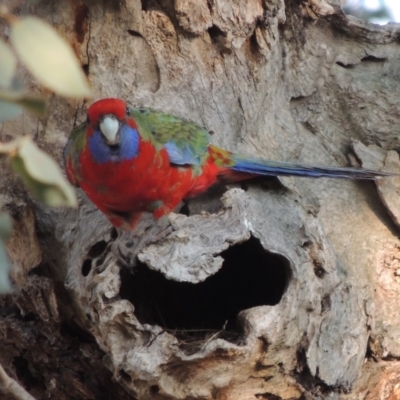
[181, 155]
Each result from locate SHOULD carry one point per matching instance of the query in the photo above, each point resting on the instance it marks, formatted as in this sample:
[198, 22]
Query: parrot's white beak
[109, 127]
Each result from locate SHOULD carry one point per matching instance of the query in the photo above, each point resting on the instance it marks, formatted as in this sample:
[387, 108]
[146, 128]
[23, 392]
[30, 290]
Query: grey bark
[281, 80]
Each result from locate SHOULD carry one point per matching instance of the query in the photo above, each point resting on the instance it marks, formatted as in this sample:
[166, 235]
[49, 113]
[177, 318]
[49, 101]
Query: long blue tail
[258, 166]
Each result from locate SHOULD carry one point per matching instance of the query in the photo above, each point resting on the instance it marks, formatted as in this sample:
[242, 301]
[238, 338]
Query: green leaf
[5, 226]
[8, 64]
[9, 110]
[36, 106]
[42, 175]
[49, 57]
[12, 102]
[5, 232]
[5, 267]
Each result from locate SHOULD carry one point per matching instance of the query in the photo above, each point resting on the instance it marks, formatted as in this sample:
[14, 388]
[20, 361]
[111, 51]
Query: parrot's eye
[128, 112]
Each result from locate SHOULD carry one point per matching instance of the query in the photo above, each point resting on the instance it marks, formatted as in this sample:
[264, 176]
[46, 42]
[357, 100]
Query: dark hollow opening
[97, 249]
[215, 33]
[249, 277]
[25, 374]
[86, 266]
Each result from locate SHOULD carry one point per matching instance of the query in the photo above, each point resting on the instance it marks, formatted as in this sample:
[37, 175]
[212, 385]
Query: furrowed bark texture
[277, 289]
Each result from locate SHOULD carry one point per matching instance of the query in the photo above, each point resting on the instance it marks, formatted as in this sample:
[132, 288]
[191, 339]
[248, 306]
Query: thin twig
[12, 387]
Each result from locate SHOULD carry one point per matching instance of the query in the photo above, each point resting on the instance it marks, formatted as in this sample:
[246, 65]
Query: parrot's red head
[107, 115]
[111, 132]
[102, 107]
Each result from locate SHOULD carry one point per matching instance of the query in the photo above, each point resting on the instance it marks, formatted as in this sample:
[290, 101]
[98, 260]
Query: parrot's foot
[128, 245]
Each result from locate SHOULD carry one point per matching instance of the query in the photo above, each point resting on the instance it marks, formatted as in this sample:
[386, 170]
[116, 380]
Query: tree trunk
[275, 289]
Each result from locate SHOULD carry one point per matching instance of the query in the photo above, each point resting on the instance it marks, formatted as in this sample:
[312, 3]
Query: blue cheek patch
[126, 150]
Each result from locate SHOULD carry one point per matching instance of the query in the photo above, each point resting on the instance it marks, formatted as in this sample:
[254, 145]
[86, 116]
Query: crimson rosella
[134, 160]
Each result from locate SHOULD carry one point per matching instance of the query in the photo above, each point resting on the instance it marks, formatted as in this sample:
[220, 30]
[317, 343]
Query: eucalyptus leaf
[9, 110]
[14, 101]
[36, 106]
[49, 57]
[5, 267]
[42, 175]
[8, 64]
[5, 226]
